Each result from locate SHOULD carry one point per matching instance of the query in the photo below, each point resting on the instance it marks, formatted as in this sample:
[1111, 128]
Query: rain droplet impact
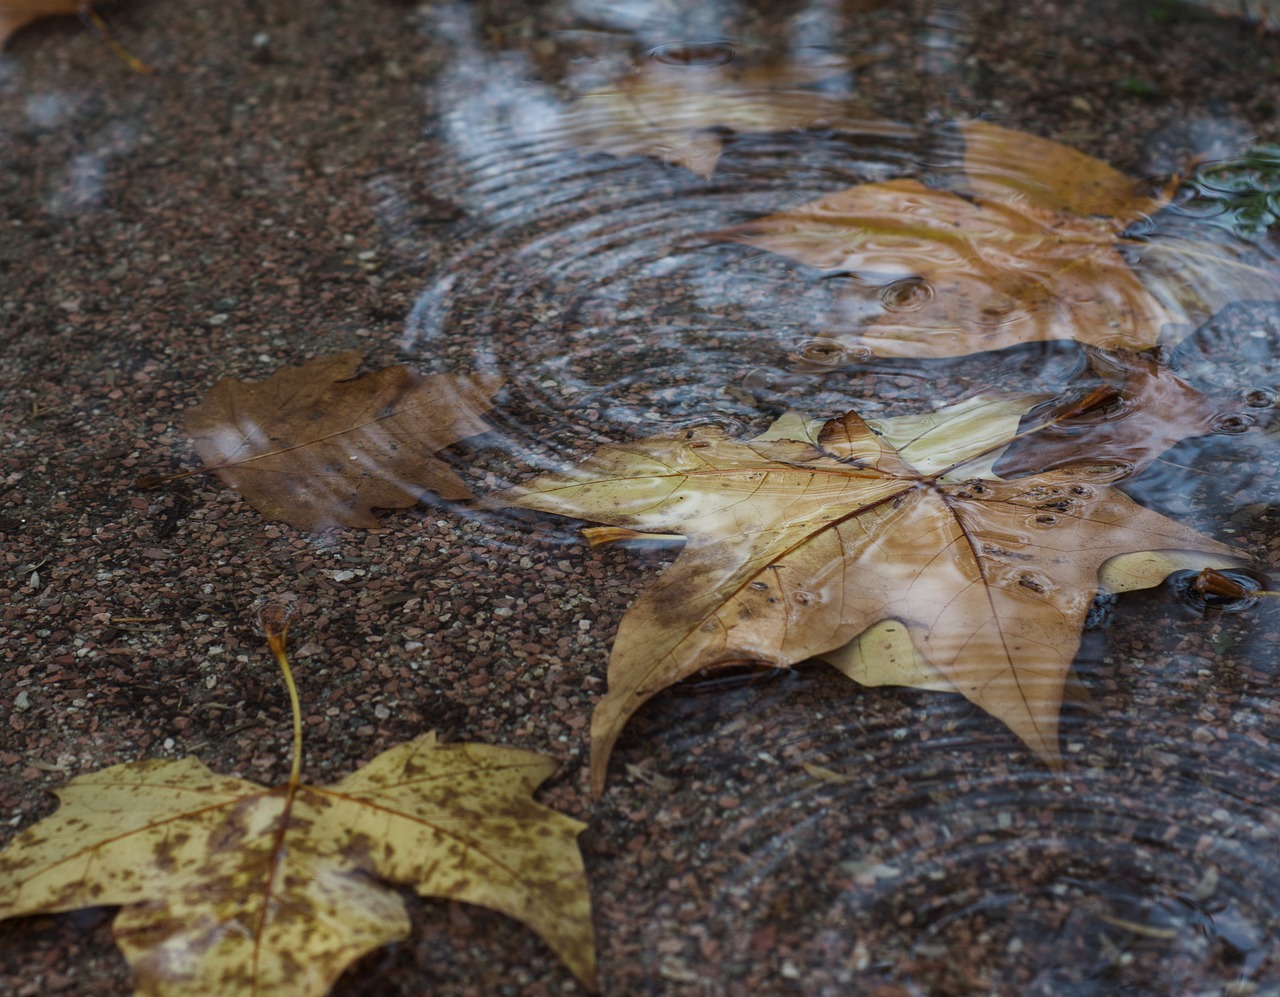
[907, 295]
[824, 352]
[1260, 398]
[1233, 423]
[1230, 591]
[694, 54]
[901, 830]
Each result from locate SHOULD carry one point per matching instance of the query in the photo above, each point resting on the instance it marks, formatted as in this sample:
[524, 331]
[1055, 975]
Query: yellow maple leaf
[232, 888]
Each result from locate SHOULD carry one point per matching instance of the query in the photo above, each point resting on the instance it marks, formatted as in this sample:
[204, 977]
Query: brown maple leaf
[316, 447]
[232, 888]
[1028, 254]
[14, 14]
[800, 540]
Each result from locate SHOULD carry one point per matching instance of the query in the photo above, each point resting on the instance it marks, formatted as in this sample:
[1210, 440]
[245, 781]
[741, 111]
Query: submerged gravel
[232, 215]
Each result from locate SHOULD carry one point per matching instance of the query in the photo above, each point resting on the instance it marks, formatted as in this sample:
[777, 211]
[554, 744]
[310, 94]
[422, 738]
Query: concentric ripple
[600, 281]
[814, 836]
[888, 839]
[613, 309]
[596, 280]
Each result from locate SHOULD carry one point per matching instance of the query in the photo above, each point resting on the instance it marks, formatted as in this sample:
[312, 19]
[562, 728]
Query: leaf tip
[600, 536]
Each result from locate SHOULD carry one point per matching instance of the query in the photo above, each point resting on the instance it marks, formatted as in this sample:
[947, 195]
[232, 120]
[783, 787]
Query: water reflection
[589, 268]
[585, 270]
[78, 189]
[594, 159]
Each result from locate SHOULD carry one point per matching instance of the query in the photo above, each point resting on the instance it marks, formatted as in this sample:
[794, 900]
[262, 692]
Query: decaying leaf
[231, 888]
[16, 13]
[317, 447]
[1028, 254]
[800, 540]
[676, 111]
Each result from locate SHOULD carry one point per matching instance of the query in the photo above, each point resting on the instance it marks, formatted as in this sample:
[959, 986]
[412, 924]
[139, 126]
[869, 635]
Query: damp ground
[299, 181]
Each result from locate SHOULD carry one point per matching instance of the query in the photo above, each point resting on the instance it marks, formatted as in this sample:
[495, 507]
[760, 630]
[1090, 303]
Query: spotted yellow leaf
[231, 888]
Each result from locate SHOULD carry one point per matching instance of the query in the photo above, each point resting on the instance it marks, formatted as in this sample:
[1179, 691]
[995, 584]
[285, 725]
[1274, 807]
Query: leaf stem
[99, 27]
[275, 618]
[1211, 581]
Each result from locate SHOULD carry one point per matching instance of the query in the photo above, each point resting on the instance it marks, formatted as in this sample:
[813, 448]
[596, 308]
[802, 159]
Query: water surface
[598, 157]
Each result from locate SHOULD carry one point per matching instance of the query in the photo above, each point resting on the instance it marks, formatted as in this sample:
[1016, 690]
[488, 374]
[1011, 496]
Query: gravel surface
[300, 179]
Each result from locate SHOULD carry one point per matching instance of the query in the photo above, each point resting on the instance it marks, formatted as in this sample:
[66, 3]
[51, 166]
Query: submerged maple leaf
[1029, 255]
[316, 447]
[800, 540]
[232, 888]
[678, 112]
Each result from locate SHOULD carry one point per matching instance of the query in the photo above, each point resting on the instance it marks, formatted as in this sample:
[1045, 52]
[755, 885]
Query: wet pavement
[540, 191]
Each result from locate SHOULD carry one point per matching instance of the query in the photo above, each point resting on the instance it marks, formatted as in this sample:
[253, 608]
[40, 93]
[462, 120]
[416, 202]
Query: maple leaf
[14, 14]
[801, 539]
[674, 111]
[1029, 255]
[316, 447]
[230, 888]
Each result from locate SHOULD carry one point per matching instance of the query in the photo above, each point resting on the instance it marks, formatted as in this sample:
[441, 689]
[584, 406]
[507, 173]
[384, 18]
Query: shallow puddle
[638, 214]
[886, 843]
